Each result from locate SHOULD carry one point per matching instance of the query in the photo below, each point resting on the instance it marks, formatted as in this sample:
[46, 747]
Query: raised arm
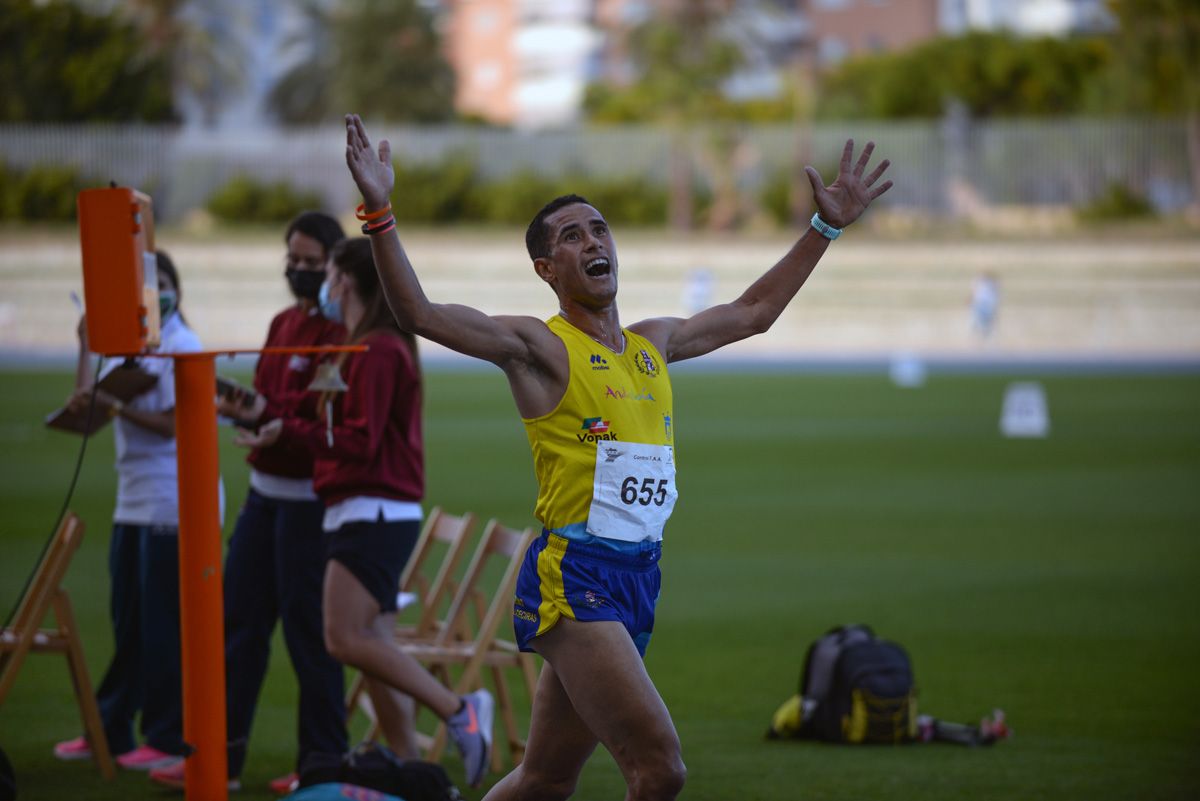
[839, 205]
[533, 359]
[500, 340]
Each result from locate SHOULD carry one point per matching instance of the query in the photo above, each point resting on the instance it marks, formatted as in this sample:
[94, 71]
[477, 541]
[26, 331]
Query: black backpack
[378, 768]
[855, 688]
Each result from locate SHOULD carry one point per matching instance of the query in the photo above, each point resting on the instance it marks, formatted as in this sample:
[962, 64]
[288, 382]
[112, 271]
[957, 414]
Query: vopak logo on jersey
[596, 429]
[645, 363]
[598, 362]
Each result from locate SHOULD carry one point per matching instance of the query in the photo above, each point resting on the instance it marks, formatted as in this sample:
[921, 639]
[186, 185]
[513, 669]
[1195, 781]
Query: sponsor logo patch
[620, 393]
[595, 429]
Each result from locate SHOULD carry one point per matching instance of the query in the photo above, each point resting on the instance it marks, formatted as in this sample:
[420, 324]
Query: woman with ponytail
[369, 471]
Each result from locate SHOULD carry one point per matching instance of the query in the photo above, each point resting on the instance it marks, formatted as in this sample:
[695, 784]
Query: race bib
[633, 492]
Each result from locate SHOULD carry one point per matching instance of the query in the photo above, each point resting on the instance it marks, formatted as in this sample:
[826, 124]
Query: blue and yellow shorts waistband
[618, 552]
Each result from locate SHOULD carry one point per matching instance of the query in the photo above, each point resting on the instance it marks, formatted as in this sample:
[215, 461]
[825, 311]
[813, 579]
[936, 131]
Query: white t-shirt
[147, 483]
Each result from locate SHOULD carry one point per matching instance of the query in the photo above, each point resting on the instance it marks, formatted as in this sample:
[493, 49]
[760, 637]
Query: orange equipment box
[120, 274]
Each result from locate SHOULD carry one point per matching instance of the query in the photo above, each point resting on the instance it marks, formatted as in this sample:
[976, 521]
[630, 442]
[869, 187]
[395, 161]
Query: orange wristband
[362, 213]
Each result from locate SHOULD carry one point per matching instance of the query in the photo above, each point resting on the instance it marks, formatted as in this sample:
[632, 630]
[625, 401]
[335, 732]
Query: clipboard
[124, 383]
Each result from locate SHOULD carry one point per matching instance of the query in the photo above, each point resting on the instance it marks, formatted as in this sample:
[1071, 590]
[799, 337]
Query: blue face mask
[167, 301]
[330, 307]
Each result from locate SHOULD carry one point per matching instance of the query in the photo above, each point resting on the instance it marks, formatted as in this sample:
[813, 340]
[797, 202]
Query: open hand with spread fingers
[844, 200]
[372, 172]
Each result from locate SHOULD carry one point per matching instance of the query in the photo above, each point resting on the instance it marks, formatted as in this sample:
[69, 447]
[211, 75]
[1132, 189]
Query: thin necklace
[563, 314]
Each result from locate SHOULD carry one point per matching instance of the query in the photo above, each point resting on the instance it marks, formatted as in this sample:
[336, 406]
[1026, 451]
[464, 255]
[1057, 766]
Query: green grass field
[1054, 578]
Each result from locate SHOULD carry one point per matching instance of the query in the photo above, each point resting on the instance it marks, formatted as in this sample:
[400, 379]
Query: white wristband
[823, 228]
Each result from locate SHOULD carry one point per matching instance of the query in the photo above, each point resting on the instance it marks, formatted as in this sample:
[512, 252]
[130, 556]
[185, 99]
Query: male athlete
[596, 402]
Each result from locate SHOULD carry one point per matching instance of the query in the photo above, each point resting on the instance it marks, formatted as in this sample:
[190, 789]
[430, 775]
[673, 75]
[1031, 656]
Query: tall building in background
[845, 28]
[1026, 17]
[527, 63]
[520, 62]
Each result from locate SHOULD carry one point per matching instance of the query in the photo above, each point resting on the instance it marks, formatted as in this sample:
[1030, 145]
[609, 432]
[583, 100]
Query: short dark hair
[537, 235]
[318, 225]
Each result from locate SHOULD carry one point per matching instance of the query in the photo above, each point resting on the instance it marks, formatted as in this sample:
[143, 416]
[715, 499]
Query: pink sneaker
[147, 757]
[170, 776]
[284, 784]
[70, 750]
[173, 776]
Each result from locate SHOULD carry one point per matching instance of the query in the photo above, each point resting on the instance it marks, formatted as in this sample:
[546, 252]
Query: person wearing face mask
[276, 554]
[370, 472]
[144, 674]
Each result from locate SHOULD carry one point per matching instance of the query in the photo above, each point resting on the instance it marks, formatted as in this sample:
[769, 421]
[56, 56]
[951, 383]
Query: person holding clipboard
[144, 674]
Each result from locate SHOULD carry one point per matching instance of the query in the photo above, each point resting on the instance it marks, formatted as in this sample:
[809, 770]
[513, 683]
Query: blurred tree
[682, 62]
[1157, 68]
[202, 41]
[203, 44]
[378, 56]
[63, 64]
[992, 74]
[303, 94]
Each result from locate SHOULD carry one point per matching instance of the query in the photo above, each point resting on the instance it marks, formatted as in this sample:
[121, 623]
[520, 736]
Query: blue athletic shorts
[586, 582]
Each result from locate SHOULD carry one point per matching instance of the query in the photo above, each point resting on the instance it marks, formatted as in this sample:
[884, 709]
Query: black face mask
[305, 283]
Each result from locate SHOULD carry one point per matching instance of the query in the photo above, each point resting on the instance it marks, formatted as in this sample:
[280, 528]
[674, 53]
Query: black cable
[70, 493]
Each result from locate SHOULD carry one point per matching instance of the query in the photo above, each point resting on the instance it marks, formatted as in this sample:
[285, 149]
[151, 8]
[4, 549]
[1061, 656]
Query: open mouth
[597, 267]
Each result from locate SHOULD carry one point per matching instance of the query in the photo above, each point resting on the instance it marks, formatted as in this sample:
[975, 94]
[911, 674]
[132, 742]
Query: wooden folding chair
[446, 648]
[432, 593]
[45, 595]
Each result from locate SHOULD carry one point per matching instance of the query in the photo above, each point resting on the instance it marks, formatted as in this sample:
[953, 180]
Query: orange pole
[201, 611]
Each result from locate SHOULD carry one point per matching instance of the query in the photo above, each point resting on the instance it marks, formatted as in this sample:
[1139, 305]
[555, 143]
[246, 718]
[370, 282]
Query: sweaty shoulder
[658, 331]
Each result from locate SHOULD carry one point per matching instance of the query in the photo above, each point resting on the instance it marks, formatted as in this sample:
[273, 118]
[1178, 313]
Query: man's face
[582, 264]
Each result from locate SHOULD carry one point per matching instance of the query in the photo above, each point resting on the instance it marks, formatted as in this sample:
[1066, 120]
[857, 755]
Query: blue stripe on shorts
[586, 582]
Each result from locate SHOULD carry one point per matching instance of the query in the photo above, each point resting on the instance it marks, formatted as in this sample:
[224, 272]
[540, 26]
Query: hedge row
[42, 192]
[448, 193]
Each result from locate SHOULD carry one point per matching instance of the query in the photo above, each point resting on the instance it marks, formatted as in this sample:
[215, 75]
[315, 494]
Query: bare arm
[499, 340]
[839, 204]
[523, 347]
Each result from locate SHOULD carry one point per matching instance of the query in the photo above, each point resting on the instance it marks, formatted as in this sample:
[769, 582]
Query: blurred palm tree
[204, 41]
[303, 95]
[382, 57]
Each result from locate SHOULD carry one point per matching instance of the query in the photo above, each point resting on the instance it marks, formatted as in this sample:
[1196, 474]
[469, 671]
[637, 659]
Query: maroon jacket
[284, 378]
[378, 449]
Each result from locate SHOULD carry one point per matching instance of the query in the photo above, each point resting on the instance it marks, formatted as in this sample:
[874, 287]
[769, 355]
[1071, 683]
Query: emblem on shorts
[592, 599]
[645, 363]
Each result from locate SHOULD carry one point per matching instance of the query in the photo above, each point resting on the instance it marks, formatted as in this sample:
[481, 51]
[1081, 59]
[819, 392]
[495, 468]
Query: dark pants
[275, 570]
[143, 562]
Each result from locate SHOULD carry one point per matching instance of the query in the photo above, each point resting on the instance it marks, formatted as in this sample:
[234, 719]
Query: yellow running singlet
[617, 405]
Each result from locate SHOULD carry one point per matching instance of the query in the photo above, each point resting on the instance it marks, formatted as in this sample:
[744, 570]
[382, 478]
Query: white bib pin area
[1025, 413]
[633, 491]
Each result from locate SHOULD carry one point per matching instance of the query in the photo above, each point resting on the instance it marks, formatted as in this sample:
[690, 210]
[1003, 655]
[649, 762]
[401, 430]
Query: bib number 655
[649, 492]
